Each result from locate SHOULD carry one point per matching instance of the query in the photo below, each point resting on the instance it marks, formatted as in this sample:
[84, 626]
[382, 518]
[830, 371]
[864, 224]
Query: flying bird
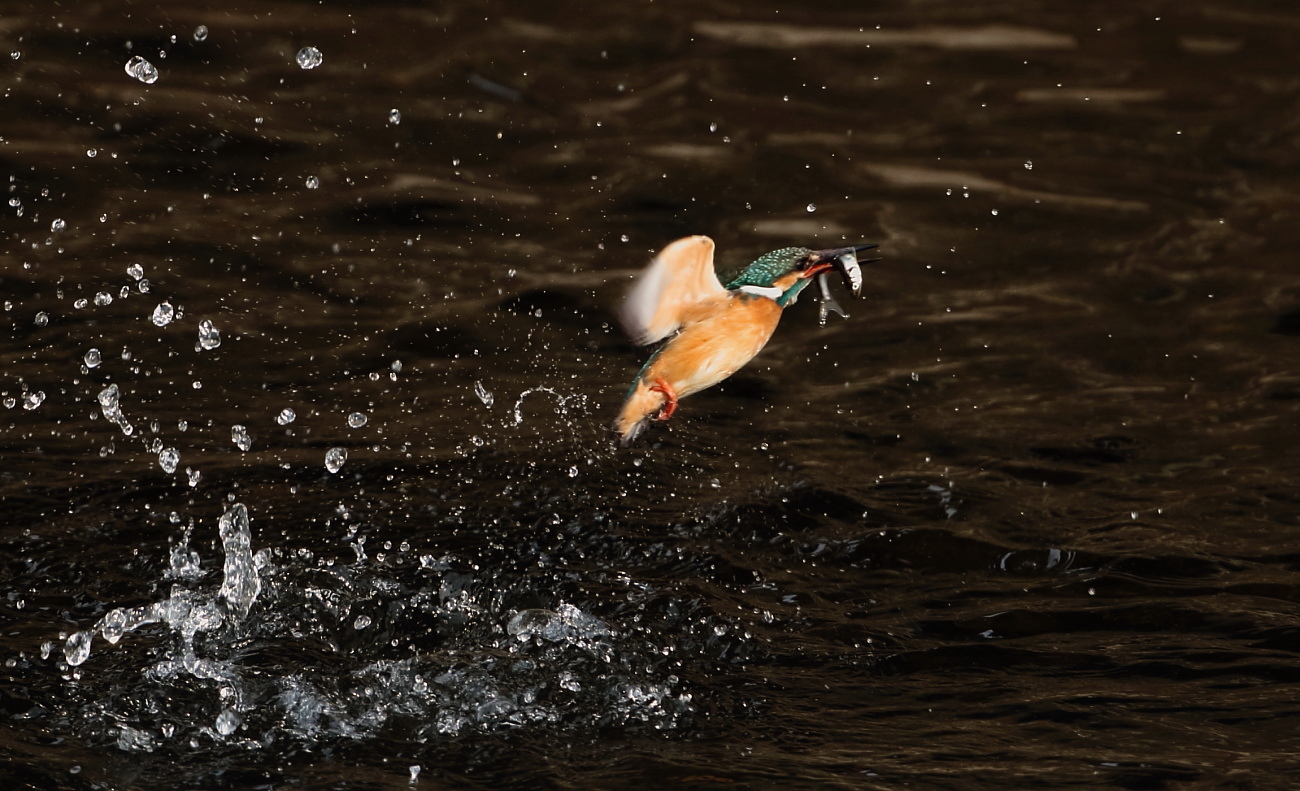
[718, 328]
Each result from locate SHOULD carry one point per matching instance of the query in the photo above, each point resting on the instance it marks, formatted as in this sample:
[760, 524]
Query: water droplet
[812, 207]
[241, 584]
[484, 394]
[143, 286]
[110, 402]
[92, 152]
[361, 622]
[81, 303]
[135, 271]
[114, 624]
[394, 116]
[42, 319]
[239, 436]
[58, 225]
[92, 358]
[573, 472]
[169, 459]
[33, 399]
[77, 649]
[1029, 165]
[209, 335]
[286, 416]
[163, 314]
[994, 212]
[227, 722]
[201, 33]
[309, 57]
[312, 182]
[334, 459]
[415, 773]
[194, 476]
[103, 298]
[142, 70]
[356, 420]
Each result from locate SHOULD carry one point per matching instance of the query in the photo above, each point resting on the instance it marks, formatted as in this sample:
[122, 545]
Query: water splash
[562, 667]
[561, 408]
[484, 394]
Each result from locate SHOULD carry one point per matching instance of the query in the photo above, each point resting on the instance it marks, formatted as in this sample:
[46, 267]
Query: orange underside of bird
[717, 329]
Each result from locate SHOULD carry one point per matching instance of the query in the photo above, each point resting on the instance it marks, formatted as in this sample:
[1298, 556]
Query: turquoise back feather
[767, 268]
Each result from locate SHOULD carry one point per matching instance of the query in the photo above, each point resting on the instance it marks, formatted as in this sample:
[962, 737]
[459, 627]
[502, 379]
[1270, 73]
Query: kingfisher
[718, 328]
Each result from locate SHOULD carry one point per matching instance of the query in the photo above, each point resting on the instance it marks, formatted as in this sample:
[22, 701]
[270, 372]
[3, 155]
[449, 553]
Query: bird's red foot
[670, 398]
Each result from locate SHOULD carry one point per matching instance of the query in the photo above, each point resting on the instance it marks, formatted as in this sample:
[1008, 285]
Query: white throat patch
[771, 292]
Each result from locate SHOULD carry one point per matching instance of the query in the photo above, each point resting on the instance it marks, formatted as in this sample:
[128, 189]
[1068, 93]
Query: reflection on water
[309, 355]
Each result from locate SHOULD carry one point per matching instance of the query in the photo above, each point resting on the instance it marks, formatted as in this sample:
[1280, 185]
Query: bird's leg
[670, 398]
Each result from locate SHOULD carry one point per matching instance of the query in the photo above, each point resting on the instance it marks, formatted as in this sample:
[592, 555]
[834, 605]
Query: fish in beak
[819, 263]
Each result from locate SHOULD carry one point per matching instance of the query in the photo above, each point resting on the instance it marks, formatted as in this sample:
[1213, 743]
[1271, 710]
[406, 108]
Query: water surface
[1027, 519]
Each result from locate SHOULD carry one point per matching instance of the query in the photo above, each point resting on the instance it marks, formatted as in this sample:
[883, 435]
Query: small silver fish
[846, 261]
[851, 271]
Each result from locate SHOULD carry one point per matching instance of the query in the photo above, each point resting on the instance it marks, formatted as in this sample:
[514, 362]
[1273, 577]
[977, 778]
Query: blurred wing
[681, 275]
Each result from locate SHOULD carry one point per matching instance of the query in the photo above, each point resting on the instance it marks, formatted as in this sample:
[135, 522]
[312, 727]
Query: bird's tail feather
[639, 409]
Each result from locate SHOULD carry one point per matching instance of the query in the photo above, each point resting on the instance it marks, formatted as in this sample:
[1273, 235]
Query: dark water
[1028, 519]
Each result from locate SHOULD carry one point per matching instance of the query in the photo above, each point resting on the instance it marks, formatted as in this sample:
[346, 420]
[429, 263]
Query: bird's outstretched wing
[680, 276]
